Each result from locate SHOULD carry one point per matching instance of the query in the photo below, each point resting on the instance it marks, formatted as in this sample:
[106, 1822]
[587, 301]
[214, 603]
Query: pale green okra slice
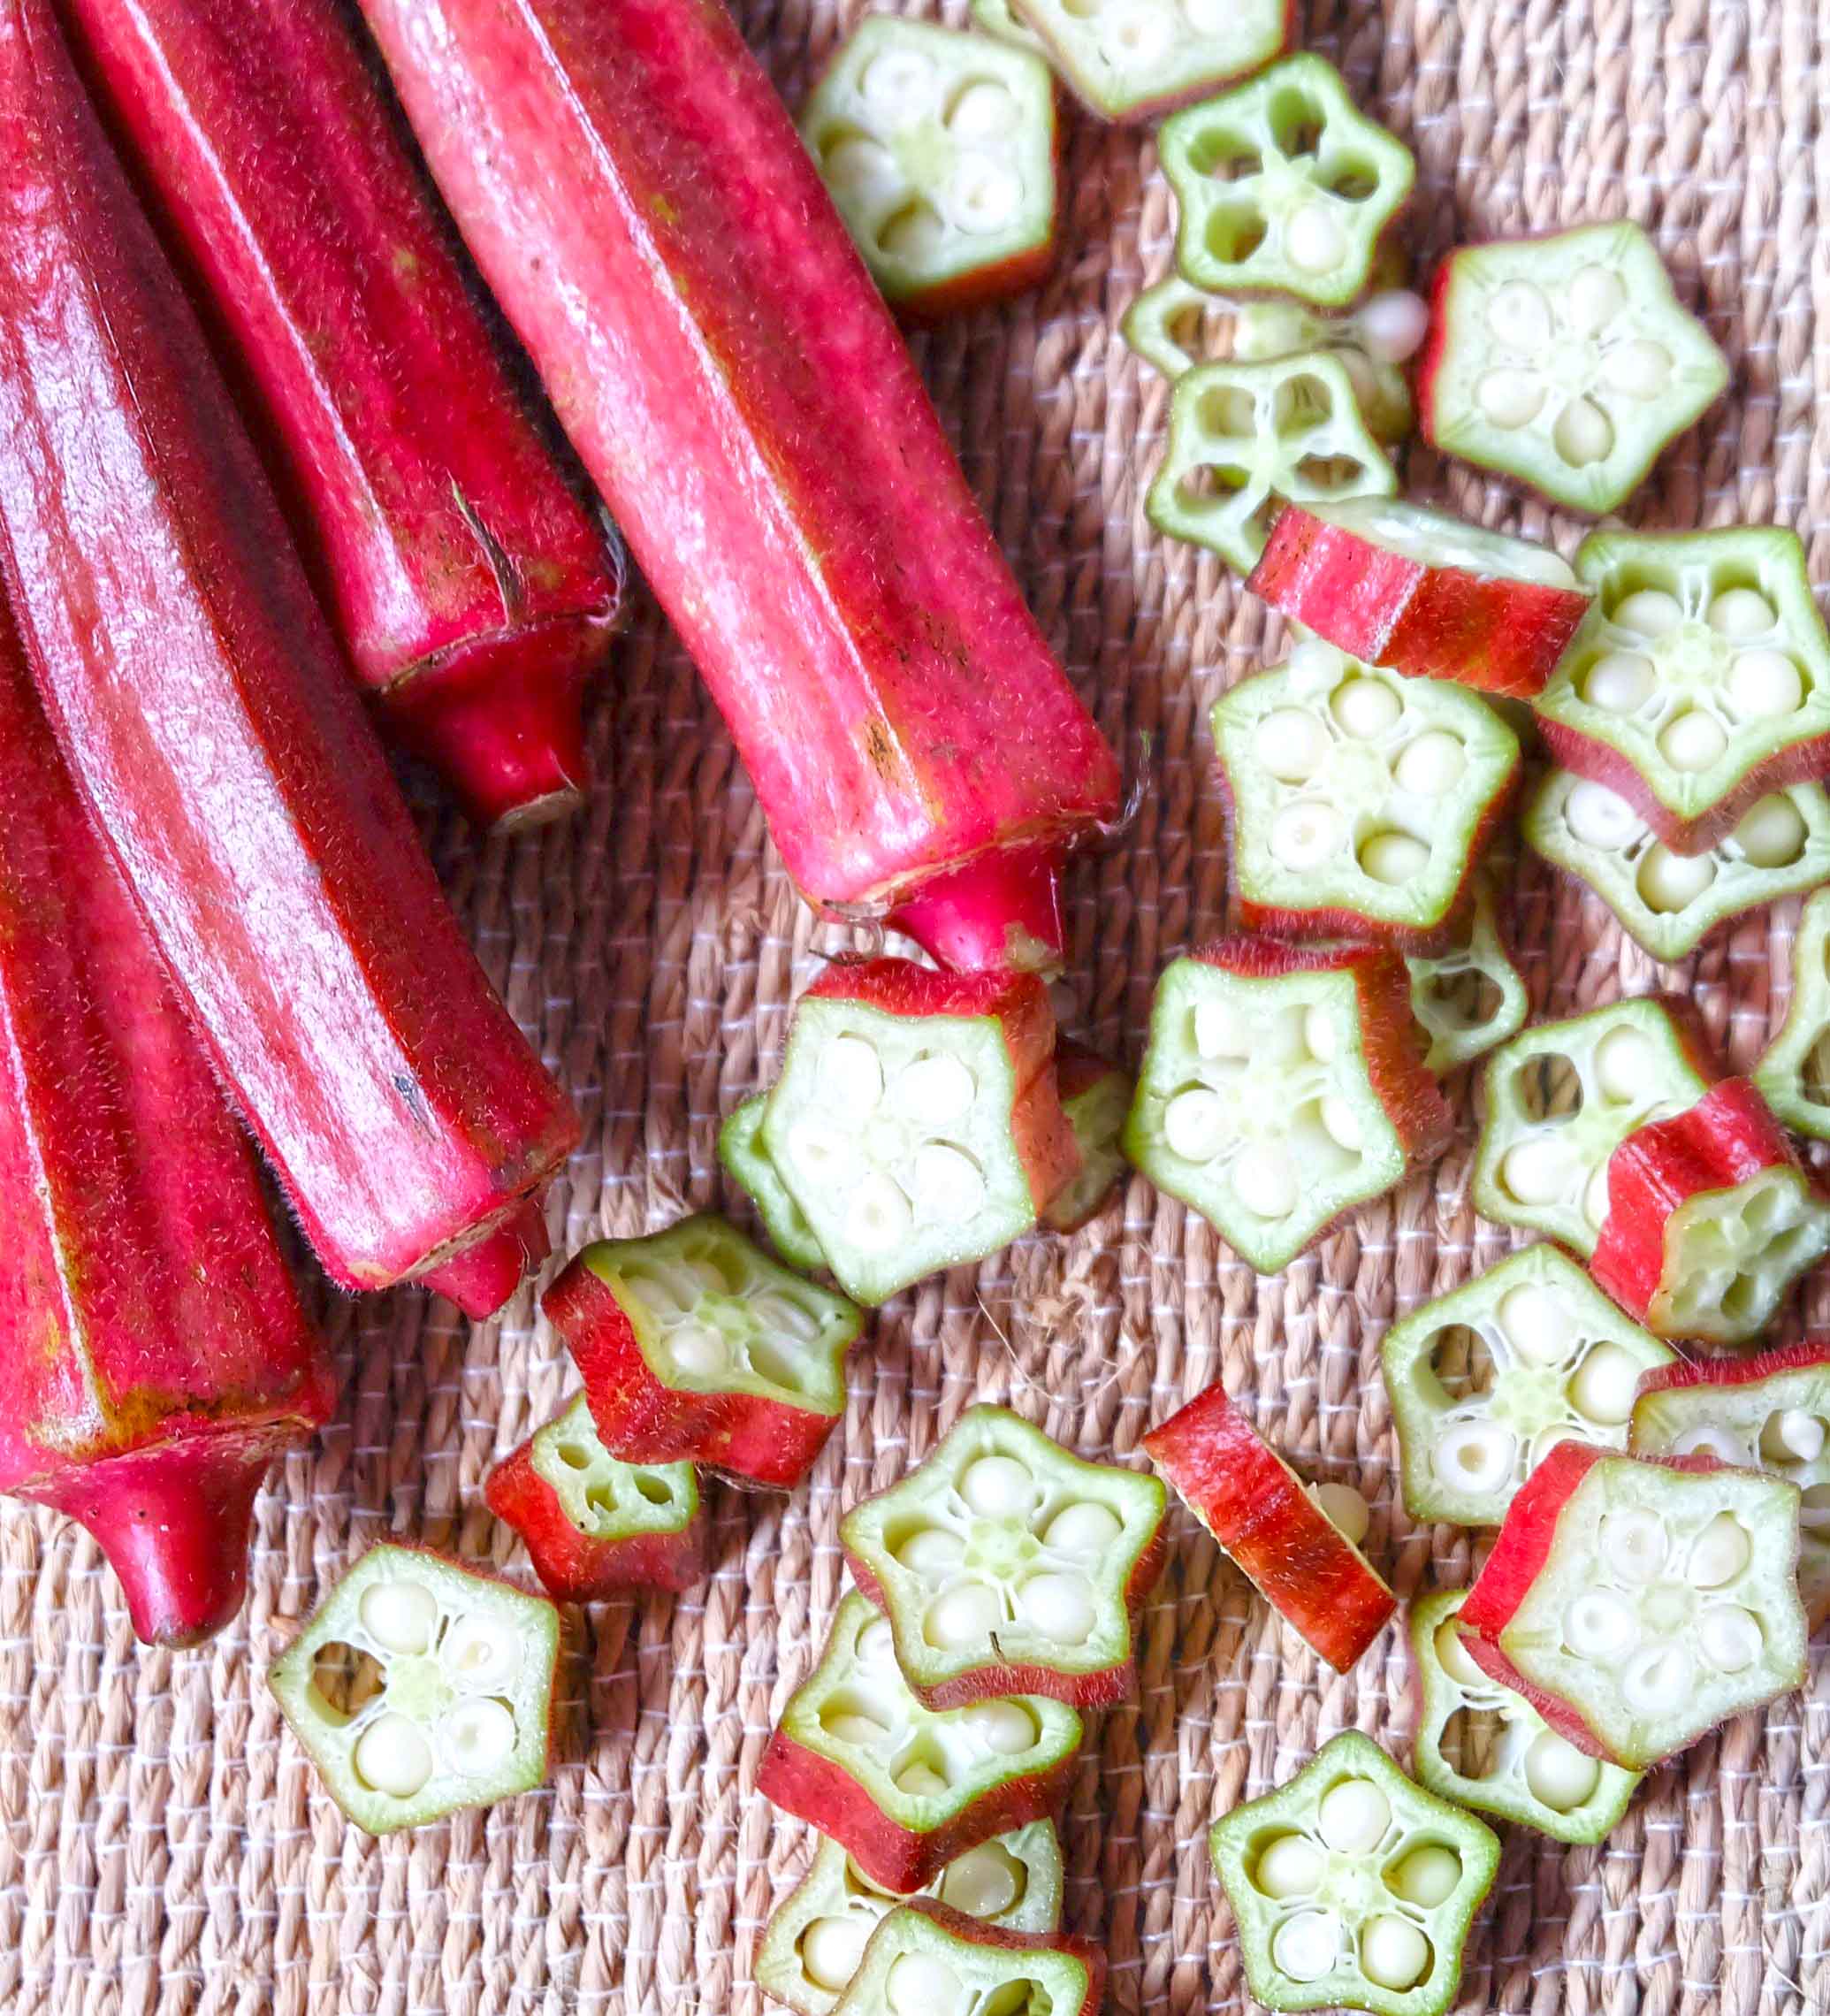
[1471, 998]
[1795, 1072]
[916, 1966]
[606, 1499]
[996, 18]
[1132, 58]
[748, 1166]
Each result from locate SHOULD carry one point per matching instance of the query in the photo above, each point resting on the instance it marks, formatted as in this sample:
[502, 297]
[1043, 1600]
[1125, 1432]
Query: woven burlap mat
[165, 1846]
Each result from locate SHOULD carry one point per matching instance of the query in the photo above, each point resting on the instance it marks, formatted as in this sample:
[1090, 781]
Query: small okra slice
[1095, 1095]
[996, 18]
[1134, 59]
[1669, 903]
[1286, 1538]
[816, 1940]
[1711, 1219]
[1795, 1072]
[1282, 1085]
[1700, 679]
[1769, 1412]
[418, 1687]
[1485, 1381]
[1284, 186]
[1636, 1602]
[925, 1960]
[696, 1346]
[1243, 436]
[1359, 801]
[1472, 997]
[592, 1526]
[1561, 1098]
[1483, 1746]
[1353, 1887]
[1426, 594]
[1567, 362]
[1006, 1565]
[907, 1790]
[916, 1121]
[939, 150]
[746, 1162]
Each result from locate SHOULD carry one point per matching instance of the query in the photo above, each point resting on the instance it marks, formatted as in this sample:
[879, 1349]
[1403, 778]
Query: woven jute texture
[165, 1846]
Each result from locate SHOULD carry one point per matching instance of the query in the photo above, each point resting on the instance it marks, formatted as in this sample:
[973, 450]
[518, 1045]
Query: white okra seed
[1634, 1542]
[699, 1352]
[1427, 1876]
[1621, 682]
[1060, 1607]
[1290, 743]
[393, 1756]
[1265, 1181]
[400, 1615]
[1595, 296]
[860, 170]
[1194, 1125]
[1772, 832]
[1510, 397]
[1305, 836]
[1792, 1436]
[1738, 613]
[831, 1948]
[481, 1652]
[1321, 1038]
[1352, 1816]
[1394, 1953]
[1720, 1552]
[932, 1552]
[1692, 741]
[1476, 1456]
[899, 84]
[1519, 316]
[1598, 1198]
[984, 111]
[962, 1616]
[850, 1076]
[1431, 765]
[881, 1215]
[985, 195]
[478, 1737]
[1307, 1947]
[1536, 1171]
[920, 1984]
[948, 1185]
[1627, 1065]
[1669, 883]
[1583, 434]
[1599, 1626]
[1730, 1638]
[998, 1487]
[1557, 1775]
[1602, 1389]
[1290, 1865]
[1765, 684]
[1601, 818]
[1006, 1728]
[1344, 1509]
[1532, 1322]
[1365, 708]
[936, 1090]
[1342, 1123]
[1084, 1532]
[1313, 241]
[1451, 1656]
[984, 1883]
[1657, 1680]
[1649, 612]
[1393, 858]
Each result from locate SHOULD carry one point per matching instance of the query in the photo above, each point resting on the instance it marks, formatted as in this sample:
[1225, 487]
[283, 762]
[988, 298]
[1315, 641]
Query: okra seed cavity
[1692, 740]
[998, 1487]
[1657, 1680]
[1634, 1544]
[850, 1725]
[920, 1985]
[400, 1616]
[881, 1214]
[1005, 1727]
[1720, 1552]
[915, 233]
[1320, 1035]
[1266, 1182]
[1641, 369]
[1476, 1456]
[985, 195]
[1220, 1031]
[949, 1184]
[1345, 1509]
[481, 1654]
[964, 1615]
[1084, 1532]
[1290, 743]
[938, 1089]
[477, 1736]
[1711, 1440]
[1427, 1876]
[392, 1756]
[921, 1780]
[1536, 1171]
[1342, 1123]
[1559, 1775]
[851, 1075]
[1772, 833]
[876, 1643]
[1649, 612]
[1509, 397]
[984, 110]
[1354, 1816]
[932, 1552]
[831, 1948]
[1626, 1064]
[1668, 881]
[1601, 818]
[1741, 612]
[1431, 765]
[1290, 1865]
[1394, 857]
[1305, 836]
[1451, 1656]
[1730, 1638]
[1620, 681]
[1519, 315]
[1596, 295]
[1060, 1607]
[1394, 1953]
[1532, 1323]
[1602, 1389]
[1307, 1947]
[699, 1352]
[1599, 1626]
[860, 168]
[1583, 433]
[1365, 708]
[984, 1883]
[1765, 684]
[1793, 1436]
[1313, 241]
[1194, 1125]
[900, 83]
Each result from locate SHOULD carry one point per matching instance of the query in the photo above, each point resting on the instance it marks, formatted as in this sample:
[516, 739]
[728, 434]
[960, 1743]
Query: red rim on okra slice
[1353, 1887]
[1134, 59]
[1567, 362]
[1282, 1085]
[1359, 801]
[1424, 593]
[419, 1686]
[907, 1790]
[1006, 1565]
[1471, 998]
[1299, 1547]
[696, 1346]
[925, 1960]
[1700, 679]
[1637, 1602]
[1795, 1072]
[816, 1940]
[1095, 1095]
[939, 150]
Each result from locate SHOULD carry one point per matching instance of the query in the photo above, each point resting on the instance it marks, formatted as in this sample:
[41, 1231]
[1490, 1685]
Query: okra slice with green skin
[1567, 362]
[1134, 59]
[1282, 1085]
[1795, 1072]
[907, 1790]
[1769, 1412]
[1242, 437]
[1699, 681]
[1668, 903]
[1095, 1095]
[1483, 1746]
[1562, 1097]
[925, 1960]
[1284, 186]
[916, 1121]
[1006, 1565]
[939, 150]
[1485, 1381]
[996, 19]
[747, 1163]
[1636, 1602]
[418, 1687]
[1353, 1887]
[1472, 997]
[696, 1346]
[816, 1940]
[1359, 802]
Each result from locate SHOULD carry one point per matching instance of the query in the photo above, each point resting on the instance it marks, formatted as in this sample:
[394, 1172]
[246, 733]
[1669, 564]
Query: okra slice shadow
[925, 1960]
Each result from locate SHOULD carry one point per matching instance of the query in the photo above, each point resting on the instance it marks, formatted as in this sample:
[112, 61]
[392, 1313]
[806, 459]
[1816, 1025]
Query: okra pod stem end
[999, 912]
[482, 1277]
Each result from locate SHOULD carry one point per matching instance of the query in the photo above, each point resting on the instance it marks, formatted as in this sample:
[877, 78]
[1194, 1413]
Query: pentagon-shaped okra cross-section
[1283, 186]
[1006, 1565]
[905, 1788]
[1095, 1095]
[1564, 1095]
[939, 150]
[1487, 1748]
[418, 1687]
[1471, 997]
[696, 1346]
[1283, 1085]
[816, 1940]
[1132, 59]
[1359, 802]
[1353, 1887]
[925, 1960]
[1700, 679]
[1484, 1381]
[746, 1162]
[1565, 360]
[1795, 1072]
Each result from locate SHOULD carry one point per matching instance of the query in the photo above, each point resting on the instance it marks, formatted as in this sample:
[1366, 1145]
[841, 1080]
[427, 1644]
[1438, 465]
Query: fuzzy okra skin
[639, 200]
[926, 1959]
[1135, 59]
[195, 687]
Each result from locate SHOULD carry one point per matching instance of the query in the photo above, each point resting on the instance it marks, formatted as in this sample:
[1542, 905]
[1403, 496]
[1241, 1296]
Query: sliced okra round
[1566, 361]
[1472, 997]
[1795, 1072]
[1635, 1603]
[816, 1940]
[1095, 1095]
[939, 150]
[746, 1162]
[418, 1687]
[906, 1788]
[1700, 679]
[1485, 1747]
[1485, 1381]
[998, 20]
[1242, 437]
[1283, 186]
[925, 1960]
[1004, 1564]
[1359, 801]
[1669, 903]
[1562, 1097]
[1353, 1887]
[1132, 59]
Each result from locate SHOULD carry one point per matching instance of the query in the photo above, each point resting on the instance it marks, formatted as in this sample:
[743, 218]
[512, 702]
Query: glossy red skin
[1429, 622]
[192, 680]
[1292, 1552]
[154, 1358]
[976, 1932]
[637, 197]
[466, 581]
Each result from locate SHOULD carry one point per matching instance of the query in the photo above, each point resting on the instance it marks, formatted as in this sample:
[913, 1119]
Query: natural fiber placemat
[165, 1846]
